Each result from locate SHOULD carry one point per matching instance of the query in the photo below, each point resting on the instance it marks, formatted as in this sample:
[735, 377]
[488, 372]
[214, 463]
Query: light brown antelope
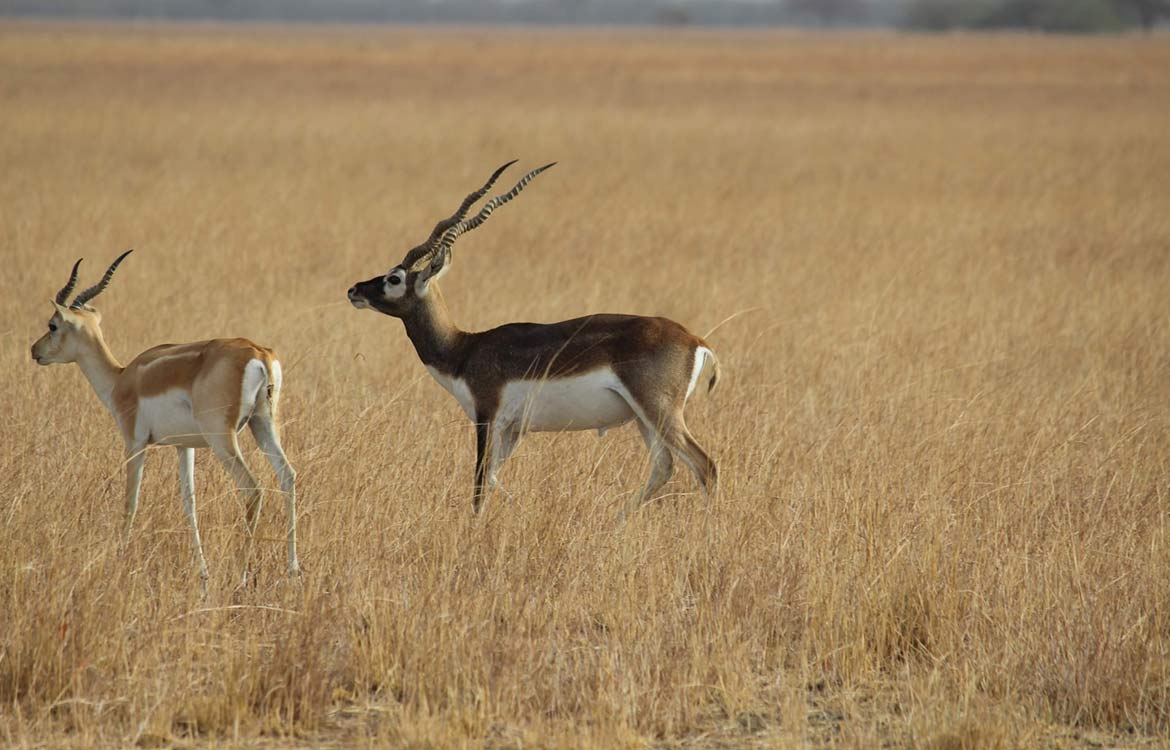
[189, 396]
[589, 373]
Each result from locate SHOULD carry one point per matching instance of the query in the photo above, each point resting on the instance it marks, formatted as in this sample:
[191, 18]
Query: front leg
[501, 442]
[482, 435]
[135, 460]
[187, 491]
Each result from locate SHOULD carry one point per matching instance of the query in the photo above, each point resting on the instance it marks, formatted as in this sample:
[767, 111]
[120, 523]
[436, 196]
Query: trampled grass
[942, 429]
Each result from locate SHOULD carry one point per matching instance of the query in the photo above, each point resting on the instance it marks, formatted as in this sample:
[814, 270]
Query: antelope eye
[395, 280]
[52, 326]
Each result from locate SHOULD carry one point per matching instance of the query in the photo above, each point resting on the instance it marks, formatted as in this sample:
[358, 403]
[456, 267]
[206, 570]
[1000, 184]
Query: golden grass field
[943, 426]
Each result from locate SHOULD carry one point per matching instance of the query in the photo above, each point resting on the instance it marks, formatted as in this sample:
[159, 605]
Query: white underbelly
[167, 419]
[581, 402]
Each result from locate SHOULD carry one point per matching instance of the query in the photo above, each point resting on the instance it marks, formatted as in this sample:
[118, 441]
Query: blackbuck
[589, 373]
[188, 396]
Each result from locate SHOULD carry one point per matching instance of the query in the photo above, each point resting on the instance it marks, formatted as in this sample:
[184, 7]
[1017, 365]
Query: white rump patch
[255, 380]
[457, 388]
[591, 401]
[702, 354]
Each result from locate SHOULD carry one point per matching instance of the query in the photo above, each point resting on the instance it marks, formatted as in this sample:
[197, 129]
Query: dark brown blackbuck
[589, 373]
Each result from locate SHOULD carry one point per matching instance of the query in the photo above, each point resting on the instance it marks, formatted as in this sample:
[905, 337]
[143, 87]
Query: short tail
[715, 371]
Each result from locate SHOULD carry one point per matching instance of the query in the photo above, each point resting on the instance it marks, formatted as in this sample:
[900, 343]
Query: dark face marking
[372, 293]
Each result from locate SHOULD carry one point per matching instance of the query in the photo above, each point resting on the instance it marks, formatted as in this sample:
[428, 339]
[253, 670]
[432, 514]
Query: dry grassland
[943, 426]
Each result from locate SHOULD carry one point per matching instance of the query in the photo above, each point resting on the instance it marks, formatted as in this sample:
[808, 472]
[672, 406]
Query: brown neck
[100, 368]
[436, 339]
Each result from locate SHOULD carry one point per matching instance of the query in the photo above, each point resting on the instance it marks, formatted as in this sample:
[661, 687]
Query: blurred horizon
[927, 15]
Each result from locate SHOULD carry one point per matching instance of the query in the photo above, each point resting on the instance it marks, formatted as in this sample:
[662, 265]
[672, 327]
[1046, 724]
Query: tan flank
[189, 396]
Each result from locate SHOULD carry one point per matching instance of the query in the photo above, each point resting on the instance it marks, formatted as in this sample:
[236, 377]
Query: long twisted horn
[63, 295]
[97, 288]
[453, 233]
[428, 247]
[467, 203]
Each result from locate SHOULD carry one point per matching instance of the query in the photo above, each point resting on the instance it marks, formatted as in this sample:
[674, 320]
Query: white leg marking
[187, 492]
[135, 460]
[503, 440]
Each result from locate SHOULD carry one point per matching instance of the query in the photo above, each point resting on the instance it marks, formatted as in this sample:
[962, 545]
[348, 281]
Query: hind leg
[661, 465]
[683, 444]
[663, 417]
[227, 450]
[268, 438]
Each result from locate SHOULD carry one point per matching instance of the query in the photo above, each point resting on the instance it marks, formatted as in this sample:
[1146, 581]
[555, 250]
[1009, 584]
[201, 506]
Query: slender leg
[227, 450]
[665, 419]
[482, 429]
[135, 460]
[268, 438]
[503, 441]
[661, 465]
[187, 490]
[688, 450]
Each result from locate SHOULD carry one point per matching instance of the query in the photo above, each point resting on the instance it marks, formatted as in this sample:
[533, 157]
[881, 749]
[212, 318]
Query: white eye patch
[394, 285]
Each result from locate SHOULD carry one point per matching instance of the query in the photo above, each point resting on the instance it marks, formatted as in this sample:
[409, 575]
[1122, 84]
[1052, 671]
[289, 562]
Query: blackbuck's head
[400, 290]
[75, 326]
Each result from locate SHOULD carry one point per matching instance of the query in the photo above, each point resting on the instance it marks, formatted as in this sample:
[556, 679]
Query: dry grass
[943, 429]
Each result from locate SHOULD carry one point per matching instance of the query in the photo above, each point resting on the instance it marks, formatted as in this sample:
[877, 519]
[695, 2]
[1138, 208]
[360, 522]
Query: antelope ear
[66, 315]
[439, 265]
